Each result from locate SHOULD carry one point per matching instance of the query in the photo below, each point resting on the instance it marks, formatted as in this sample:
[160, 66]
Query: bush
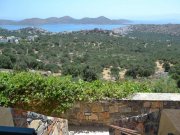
[115, 72]
[88, 74]
[5, 62]
[142, 71]
[133, 72]
[53, 95]
[73, 70]
[166, 67]
[164, 85]
[52, 67]
[178, 83]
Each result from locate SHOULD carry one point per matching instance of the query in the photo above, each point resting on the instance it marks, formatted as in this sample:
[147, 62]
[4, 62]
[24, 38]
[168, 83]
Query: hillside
[171, 29]
[77, 52]
[64, 20]
[24, 32]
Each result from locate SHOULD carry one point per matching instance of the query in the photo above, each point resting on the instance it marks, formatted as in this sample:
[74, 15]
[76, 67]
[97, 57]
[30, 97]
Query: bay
[64, 27]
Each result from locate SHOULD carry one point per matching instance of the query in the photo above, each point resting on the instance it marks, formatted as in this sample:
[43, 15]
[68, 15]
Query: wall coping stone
[155, 97]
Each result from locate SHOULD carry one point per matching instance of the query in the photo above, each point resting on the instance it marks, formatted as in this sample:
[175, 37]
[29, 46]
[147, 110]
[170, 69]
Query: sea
[64, 27]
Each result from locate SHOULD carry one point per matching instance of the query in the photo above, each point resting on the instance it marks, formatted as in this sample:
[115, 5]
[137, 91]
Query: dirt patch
[171, 65]
[46, 73]
[57, 74]
[106, 73]
[122, 74]
[159, 66]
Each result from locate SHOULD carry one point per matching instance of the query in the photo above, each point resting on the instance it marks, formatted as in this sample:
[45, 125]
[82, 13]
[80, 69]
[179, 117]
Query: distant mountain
[4, 22]
[65, 20]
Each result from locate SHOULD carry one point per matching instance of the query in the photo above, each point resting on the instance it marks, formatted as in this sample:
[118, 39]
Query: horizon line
[148, 18]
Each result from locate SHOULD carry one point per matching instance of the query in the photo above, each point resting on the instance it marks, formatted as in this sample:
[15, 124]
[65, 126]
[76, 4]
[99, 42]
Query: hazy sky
[115, 9]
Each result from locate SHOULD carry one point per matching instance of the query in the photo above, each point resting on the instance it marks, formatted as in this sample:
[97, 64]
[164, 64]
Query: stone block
[117, 132]
[19, 117]
[132, 104]
[136, 109]
[171, 105]
[80, 116]
[76, 110]
[41, 129]
[93, 117]
[147, 104]
[35, 124]
[105, 108]
[97, 108]
[157, 104]
[55, 131]
[125, 109]
[103, 115]
[165, 103]
[87, 109]
[87, 113]
[87, 117]
[116, 115]
[177, 105]
[154, 110]
[72, 115]
[140, 128]
[113, 109]
[144, 110]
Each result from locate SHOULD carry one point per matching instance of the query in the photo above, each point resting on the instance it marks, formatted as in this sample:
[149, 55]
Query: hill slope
[72, 52]
[64, 20]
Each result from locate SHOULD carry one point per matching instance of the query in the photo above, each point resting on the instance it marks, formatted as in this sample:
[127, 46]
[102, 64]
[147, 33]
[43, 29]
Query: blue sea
[64, 27]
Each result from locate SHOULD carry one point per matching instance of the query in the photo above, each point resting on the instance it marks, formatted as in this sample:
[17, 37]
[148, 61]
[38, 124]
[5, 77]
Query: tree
[132, 72]
[166, 67]
[88, 74]
[52, 67]
[178, 83]
[21, 65]
[115, 72]
[145, 71]
[175, 72]
[73, 70]
[5, 62]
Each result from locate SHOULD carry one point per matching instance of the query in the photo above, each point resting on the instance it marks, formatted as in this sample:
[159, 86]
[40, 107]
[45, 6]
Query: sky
[114, 9]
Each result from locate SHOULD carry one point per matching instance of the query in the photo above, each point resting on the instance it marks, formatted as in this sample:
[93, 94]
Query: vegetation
[81, 57]
[29, 90]
[175, 73]
[23, 33]
[96, 49]
[170, 29]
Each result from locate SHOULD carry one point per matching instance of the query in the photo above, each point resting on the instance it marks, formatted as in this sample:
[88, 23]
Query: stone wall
[142, 116]
[43, 125]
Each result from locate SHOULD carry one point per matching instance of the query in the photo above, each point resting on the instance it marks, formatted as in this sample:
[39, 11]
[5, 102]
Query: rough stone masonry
[141, 114]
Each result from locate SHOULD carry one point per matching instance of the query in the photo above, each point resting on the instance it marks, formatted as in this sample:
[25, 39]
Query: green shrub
[53, 95]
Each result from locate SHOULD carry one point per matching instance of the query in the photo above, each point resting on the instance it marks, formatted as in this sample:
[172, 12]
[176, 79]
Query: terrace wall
[142, 116]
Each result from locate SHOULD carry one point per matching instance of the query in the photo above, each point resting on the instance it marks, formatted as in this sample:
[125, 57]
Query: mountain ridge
[65, 20]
